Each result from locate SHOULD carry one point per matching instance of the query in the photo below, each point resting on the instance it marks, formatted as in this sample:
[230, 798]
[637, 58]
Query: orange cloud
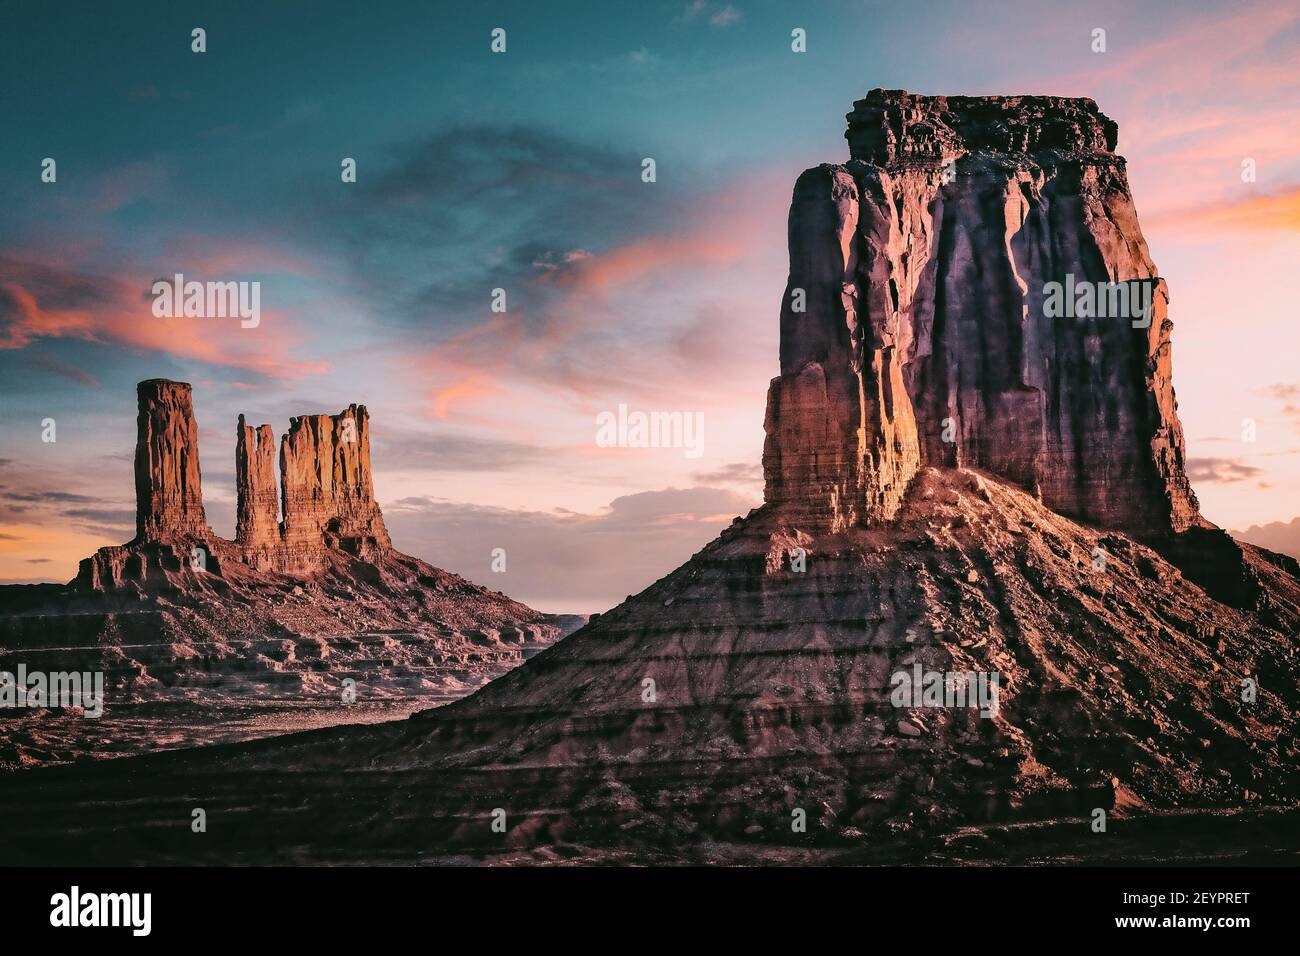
[48, 302]
[1273, 211]
[582, 343]
[1194, 100]
[466, 388]
[708, 247]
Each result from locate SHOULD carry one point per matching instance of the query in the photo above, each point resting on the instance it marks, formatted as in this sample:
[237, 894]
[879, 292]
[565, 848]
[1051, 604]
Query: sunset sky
[522, 171]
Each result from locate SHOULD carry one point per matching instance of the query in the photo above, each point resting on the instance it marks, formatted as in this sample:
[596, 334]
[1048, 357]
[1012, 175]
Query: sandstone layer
[326, 485]
[257, 521]
[1120, 690]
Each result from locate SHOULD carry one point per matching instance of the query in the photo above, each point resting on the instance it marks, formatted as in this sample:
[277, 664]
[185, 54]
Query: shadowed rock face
[257, 527]
[924, 267]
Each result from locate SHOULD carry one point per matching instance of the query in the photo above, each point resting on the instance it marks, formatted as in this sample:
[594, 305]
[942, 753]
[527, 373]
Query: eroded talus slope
[1120, 689]
[1115, 670]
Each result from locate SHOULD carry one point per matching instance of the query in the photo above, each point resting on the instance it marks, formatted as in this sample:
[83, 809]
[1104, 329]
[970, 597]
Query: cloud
[1177, 94]
[1289, 395]
[1279, 210]
[54, 366]
[663, 315]
[117, 518]
[1220, 470]
[725, 17]
[74, 515]
[562, 560]
[61, 497]
[437, 451]
[737, 473]
[719, 16]
[40, 302]
[476, 208]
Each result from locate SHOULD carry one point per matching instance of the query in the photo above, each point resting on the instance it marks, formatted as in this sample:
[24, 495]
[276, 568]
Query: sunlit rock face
[168, 483]
[324, 506]
[327, 488]
[925, 270]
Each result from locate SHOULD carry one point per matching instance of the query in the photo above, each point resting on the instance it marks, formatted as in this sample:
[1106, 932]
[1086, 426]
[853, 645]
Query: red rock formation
[841, 436]
[328, 502]
[925, 261]
[328, 493]
[257, 530]
[168, 484]
[306, 610]
[328, 498]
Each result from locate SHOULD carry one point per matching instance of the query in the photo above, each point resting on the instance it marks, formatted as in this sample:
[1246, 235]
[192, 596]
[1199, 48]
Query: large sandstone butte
[751, 688]
[919, 271]
[222, 640]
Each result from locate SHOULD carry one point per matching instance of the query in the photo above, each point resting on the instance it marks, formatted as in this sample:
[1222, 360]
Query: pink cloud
[49, 302]
[1272, 211]
[623, 320]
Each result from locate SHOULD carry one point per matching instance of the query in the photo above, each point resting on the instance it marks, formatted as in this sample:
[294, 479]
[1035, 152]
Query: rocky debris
[246, 656]
[772, 693]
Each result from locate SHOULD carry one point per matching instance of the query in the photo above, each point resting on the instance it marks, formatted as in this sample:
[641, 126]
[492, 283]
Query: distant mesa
[310, 604]
[326, 496]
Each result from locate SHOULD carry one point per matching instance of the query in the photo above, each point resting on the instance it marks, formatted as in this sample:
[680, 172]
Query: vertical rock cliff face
[326, 482]
[257, 529]
[168, 485]
[925, 265]
[842, 439]
[326, 495]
